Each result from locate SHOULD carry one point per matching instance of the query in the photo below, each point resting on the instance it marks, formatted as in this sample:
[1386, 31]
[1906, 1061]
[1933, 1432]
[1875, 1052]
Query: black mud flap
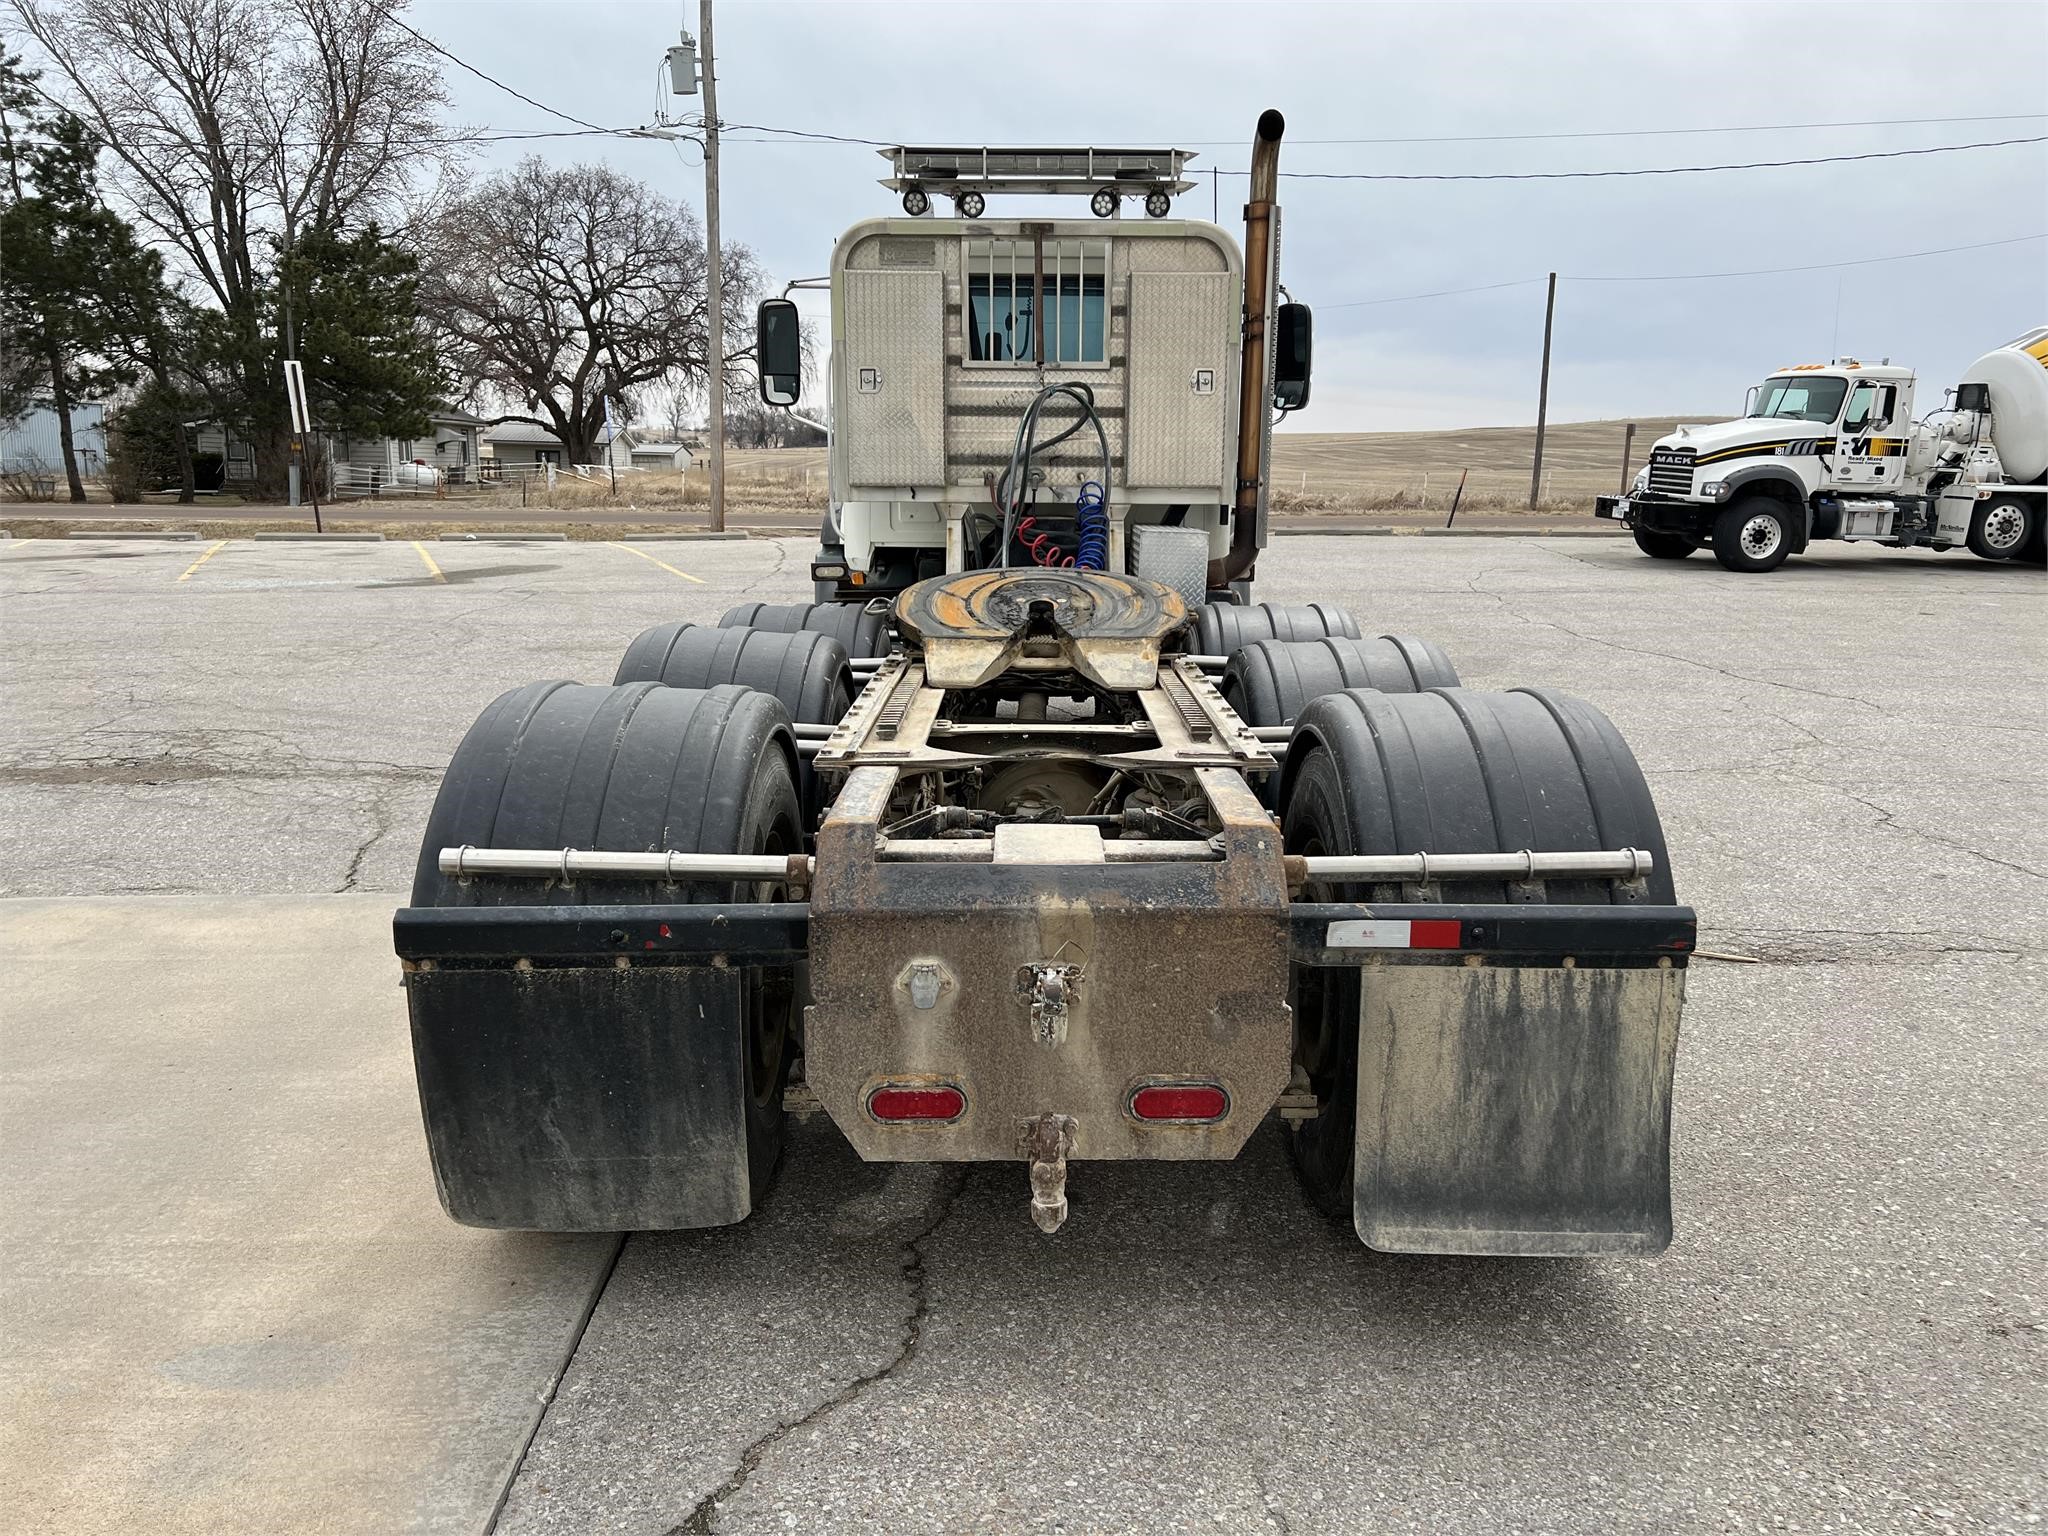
[570, 1090]
[1518, 1109]
[583, 1099]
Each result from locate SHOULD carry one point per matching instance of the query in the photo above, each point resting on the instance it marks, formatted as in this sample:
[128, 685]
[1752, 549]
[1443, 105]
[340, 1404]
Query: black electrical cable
[1690, 277]
[1013, 484]
[463, 63]
[1648, 170]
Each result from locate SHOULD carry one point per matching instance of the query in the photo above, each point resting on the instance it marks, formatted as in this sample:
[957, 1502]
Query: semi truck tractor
[1834, 451]
[1040, 841]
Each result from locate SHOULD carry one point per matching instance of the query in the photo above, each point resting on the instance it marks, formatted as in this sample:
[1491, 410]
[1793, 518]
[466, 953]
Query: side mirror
[779, 352]
[1749, 400]
[1293, 342]
[1887, 402]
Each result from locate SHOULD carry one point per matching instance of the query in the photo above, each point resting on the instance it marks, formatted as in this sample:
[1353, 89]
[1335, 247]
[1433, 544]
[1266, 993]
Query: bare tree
[239, 126]
[557, 288]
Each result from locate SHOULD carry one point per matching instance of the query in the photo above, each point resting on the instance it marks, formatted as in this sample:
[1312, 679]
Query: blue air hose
[1091, 522]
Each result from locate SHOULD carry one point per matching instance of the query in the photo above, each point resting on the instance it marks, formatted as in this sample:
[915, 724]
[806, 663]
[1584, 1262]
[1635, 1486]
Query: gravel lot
[1847, 1335]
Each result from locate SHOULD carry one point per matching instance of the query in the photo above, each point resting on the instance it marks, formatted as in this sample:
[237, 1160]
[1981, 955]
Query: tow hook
[1049, 988]
[1047, 1140]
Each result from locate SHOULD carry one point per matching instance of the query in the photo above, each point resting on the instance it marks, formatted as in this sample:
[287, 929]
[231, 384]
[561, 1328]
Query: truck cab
[995, 383]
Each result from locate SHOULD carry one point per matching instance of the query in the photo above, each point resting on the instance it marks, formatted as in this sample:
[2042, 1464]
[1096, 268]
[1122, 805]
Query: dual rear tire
[633, 768]
[1221, 628]
[805, 670]
[862, 629]
[1448, 771]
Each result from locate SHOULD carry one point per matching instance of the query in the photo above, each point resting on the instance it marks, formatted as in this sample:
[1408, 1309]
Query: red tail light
[1180, 1101]
[928, 1102]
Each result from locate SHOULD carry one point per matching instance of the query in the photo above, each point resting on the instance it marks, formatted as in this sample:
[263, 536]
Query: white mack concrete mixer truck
[1833, 451]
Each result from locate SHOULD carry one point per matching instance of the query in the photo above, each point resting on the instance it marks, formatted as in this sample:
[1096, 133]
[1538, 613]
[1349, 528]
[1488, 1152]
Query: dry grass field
[1375, 471]
[1313, 472]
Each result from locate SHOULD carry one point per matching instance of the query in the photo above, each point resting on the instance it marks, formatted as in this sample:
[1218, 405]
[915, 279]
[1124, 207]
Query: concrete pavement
[1847, 1334]
[231, 1301]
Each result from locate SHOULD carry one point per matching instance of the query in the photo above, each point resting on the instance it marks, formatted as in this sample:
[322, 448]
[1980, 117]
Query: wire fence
[1335, 474]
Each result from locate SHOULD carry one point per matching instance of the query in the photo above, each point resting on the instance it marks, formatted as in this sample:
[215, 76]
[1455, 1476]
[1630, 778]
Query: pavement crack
[1275, 1515]
[1857, 946]
[380, 825]
[781, 547]
[1888, 820]
[703, 1520]
[1513, 612]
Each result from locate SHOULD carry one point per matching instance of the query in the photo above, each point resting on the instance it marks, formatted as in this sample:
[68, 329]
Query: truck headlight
[1714, 490]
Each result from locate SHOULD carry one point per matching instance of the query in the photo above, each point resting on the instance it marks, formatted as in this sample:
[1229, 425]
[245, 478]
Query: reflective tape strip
[1379, 933]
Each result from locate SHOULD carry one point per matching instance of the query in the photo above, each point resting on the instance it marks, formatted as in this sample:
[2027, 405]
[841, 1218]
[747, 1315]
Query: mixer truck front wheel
[2003, 529]
[1751, 535]
[1663, 546]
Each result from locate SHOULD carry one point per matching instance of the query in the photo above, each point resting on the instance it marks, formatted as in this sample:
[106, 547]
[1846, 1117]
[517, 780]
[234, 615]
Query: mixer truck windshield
[1805, 399]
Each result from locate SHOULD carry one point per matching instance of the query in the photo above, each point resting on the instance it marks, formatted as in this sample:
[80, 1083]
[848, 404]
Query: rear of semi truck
[1046, 846]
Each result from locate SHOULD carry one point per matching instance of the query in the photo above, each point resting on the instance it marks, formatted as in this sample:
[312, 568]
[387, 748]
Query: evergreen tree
[371, 368]
[52, 229]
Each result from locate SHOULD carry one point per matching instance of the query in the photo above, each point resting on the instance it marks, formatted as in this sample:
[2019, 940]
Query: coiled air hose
[1091, 520]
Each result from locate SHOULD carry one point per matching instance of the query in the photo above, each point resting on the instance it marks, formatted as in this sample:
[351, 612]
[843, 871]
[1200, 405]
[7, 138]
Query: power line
[804, 135]
[1646, 133]
[1480, 138]
[477, 136]
[1657, 170]
[1818, 266]
[1440, 293]
[1691, 277]
[797, 133]
[490, 79]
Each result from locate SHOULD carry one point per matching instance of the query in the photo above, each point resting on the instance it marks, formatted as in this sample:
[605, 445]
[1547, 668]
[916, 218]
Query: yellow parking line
[433, 570]
[629, 549]
[223, 544]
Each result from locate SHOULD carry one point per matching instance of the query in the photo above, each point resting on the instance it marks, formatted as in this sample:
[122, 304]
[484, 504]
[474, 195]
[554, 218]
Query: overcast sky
[1196, 76]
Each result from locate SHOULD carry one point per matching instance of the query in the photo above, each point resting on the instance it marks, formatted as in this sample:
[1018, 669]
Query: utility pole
[1628, 450]
[291, 353]
[1542, 390]
[714, 286]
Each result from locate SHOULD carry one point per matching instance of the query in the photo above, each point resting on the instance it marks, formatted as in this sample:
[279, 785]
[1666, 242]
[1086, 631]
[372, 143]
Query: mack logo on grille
[1671, 471]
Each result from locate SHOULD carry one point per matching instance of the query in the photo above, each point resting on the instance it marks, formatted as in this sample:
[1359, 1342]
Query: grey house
[364, 463]
[661, 456]
[522, 445]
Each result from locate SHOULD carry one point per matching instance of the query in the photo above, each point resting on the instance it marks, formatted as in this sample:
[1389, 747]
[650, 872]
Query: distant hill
[1334, 470]
[1351, 471]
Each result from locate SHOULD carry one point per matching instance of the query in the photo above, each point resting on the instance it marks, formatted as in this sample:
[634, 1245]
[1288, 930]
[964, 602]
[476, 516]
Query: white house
[362, 463]
[661, 456]
[31, 442]
[522, 444]
[454, 449]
